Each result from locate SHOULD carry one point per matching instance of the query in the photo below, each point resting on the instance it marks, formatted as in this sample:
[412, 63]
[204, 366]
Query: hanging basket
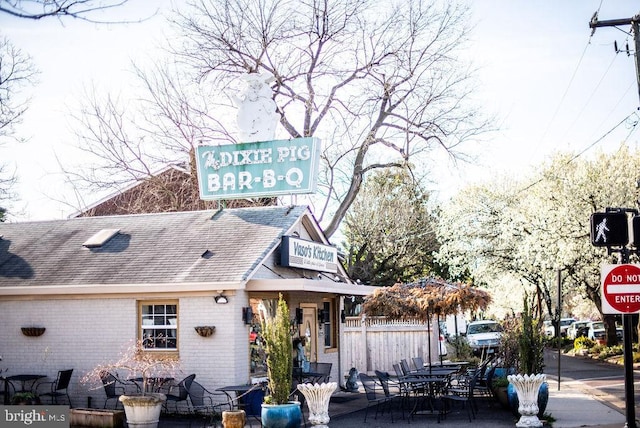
[33, 331]
[205, 330]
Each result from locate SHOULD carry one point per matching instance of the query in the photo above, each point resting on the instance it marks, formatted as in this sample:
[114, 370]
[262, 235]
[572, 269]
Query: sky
[550, 84]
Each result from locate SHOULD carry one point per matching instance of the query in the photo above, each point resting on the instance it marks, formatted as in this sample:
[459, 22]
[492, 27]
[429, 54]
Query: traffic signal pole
[615, 237]
[629, 393]
[626, 318]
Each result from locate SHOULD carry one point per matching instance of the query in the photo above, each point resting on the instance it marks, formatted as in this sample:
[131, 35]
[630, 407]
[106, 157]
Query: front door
[309, 330]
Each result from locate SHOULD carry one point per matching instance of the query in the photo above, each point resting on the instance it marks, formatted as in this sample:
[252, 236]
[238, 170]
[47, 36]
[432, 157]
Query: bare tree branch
[379, 83]
[77, 9]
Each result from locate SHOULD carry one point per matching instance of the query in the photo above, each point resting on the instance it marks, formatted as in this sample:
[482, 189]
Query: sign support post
[627, 328]
[620, 286]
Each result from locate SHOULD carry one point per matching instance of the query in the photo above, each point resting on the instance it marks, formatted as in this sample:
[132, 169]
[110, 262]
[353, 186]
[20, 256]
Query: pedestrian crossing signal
[610, 229]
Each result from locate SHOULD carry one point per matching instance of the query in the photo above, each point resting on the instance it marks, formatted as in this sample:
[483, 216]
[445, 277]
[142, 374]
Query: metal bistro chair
[380, 401]
[483, 385]
[324, 369]
[114, 387]
[179, 393]
[58, 388]
[463, 395]
[418, 362]
[206, 403]
[386, 382]
[7, 391]
[404, 365]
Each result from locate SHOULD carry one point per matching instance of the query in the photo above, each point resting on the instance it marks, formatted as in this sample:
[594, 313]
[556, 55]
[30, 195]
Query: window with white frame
[159, 325]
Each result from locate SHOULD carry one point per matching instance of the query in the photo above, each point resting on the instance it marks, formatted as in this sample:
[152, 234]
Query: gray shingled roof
[150, 248]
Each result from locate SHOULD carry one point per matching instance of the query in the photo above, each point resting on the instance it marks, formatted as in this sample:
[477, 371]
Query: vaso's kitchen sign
[299, 253]
[261, 169]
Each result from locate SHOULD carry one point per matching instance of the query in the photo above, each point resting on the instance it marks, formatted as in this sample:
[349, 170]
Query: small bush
[583, 343]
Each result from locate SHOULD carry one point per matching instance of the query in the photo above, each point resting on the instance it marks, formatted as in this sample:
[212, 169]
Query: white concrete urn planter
[317, 397]
[143, 411]
[527, 387]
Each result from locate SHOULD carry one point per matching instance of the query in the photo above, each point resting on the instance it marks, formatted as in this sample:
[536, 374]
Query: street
[600, 379]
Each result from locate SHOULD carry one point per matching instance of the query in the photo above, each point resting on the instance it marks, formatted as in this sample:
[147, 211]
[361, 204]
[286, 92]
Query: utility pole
[634, 22]
[626, 318]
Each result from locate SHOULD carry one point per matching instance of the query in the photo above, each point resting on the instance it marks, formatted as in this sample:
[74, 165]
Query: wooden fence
[376, 343]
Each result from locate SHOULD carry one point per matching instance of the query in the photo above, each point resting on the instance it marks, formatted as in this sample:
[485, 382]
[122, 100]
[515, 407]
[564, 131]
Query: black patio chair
[179, 393]
[418, 363]
[463, 394]
[404, 365]
[483, 385]
[6, 392]
[114, 387]
[386, 383]
[206, 403]
[58, 388]
[324, 369]
[375, 397]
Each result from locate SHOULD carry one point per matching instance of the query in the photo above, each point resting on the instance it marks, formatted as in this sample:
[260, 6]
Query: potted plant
[528, 390]
[25, 398]
[277, 409]
[142, 409]
[499, 386]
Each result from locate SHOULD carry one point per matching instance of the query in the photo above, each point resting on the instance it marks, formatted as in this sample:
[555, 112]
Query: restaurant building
[94, 285]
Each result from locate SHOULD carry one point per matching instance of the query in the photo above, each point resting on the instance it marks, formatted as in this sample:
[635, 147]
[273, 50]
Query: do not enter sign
[620, 289]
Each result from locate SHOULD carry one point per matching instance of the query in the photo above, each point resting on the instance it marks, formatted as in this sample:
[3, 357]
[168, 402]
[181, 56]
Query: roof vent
[100, 238]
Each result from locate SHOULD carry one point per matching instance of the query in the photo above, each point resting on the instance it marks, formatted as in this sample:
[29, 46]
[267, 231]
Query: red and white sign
[620, 288]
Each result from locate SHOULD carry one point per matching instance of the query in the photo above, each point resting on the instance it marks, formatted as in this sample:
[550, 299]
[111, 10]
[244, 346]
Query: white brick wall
[83, 333]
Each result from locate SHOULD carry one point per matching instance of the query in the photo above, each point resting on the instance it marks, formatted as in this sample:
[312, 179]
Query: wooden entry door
[309, 329]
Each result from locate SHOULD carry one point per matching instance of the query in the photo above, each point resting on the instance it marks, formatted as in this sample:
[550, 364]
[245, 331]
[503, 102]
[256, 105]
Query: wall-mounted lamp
[343, 316]
[298, 316]
[247, 315]
[221, 299]
[323, 316]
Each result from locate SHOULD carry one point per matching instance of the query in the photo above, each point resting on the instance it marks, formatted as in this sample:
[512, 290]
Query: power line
[566, 91]
[593, 92]
[576, 156]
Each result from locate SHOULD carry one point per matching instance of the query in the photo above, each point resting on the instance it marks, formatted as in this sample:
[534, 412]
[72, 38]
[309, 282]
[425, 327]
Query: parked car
[484, 336]
[550, 330]
[597, 332]
[577, 329]
[564, 325]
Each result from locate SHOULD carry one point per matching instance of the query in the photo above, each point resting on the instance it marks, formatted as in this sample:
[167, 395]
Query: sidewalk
[570, 407]
[573, 407]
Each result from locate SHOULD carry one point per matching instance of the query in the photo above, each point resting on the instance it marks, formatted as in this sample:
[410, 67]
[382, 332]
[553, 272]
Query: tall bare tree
[16, 72]
[381, 83]
[38, 9]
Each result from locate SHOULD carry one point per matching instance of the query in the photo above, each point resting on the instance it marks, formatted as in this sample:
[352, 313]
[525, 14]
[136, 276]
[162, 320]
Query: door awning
[310, 285]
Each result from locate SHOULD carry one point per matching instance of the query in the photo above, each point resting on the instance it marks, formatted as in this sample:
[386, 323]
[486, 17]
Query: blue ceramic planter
[543, 399]
[281, 415]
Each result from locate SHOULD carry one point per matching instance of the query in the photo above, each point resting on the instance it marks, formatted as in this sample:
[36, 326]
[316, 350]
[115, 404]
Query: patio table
[244, 398]
[23, 379]
[426, 392]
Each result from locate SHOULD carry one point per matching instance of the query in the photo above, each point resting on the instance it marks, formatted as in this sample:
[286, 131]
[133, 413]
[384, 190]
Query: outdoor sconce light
[221, 299]
[343, 317]
[298, 316]
[247, 315]
[323, 316]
